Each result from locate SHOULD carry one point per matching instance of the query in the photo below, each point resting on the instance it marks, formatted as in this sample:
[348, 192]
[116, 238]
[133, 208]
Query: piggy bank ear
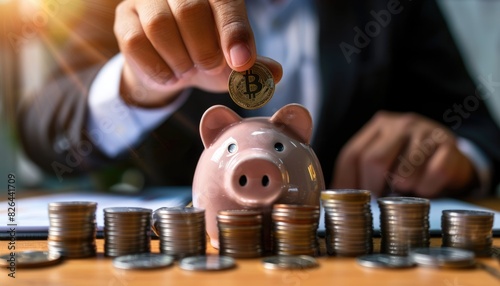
[296, 119]
[214, 120]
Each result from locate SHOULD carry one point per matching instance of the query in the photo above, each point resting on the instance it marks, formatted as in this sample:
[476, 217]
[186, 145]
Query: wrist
[139, 94]
[470, 187]
[467, 181]
[481, 164]
[138, 98]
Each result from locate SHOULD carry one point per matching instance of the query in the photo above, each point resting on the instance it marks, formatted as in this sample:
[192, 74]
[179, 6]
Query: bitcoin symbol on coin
[252, 88]
[252, 79]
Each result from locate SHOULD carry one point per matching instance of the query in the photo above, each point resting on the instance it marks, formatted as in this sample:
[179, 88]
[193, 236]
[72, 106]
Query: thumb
[236, 36]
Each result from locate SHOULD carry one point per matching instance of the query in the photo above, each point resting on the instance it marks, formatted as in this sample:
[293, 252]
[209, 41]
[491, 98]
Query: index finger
[236, 36]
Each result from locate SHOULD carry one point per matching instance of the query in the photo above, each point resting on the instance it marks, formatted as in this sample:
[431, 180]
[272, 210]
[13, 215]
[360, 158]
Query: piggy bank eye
[279, 147]
[232, 148]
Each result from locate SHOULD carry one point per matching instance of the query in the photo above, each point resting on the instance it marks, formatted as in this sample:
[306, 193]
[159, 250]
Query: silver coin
[127, 210]
[345, 195]
[289, 262]
[403, 200]
[179, 211]
[83, 205]
[207, 263]
[385, 261]
[31, 258]
[443, 257]
[467, 213]
[143, 261]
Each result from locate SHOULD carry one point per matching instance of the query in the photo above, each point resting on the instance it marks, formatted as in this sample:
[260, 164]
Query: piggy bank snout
[255, 178]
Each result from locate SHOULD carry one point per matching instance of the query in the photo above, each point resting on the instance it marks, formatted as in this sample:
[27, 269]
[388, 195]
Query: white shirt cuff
[480, 162]
[114, 126]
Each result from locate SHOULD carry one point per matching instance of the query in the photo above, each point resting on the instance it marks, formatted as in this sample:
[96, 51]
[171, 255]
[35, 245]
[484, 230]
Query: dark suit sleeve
[51, 121]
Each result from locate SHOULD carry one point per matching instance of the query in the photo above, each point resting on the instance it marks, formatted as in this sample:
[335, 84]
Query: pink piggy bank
[254, 163]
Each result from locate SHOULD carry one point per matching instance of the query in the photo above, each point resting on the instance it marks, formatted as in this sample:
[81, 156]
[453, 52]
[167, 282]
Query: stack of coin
[468, 229]
[72, 229]
[127, 231]
[240, 233]
[348, 222]
[181, 231]
[404, 224]
[294, 229]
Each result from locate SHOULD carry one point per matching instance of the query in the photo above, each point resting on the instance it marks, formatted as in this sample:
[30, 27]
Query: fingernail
[240, 54]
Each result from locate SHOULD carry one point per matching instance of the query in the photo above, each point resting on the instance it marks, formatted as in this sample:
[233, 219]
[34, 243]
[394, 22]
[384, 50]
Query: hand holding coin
[201, 50]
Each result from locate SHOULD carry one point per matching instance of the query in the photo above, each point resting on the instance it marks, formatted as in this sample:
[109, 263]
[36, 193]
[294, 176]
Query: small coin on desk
[31, 258]
[385, 261]
[207, 263]
[289, 262]
[447, 257]
[143, 261]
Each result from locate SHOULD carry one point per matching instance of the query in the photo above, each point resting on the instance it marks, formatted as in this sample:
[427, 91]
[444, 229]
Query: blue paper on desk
[435, 213]
[32, 219]
[32, 216]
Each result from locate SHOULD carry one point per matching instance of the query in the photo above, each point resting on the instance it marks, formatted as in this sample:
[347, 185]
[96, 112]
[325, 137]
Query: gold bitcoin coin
[252, 88]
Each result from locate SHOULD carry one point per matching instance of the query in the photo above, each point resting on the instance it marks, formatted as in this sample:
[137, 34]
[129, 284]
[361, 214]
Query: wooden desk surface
[332, 271]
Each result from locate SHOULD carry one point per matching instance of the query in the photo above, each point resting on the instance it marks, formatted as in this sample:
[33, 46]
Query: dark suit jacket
[411, 64]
